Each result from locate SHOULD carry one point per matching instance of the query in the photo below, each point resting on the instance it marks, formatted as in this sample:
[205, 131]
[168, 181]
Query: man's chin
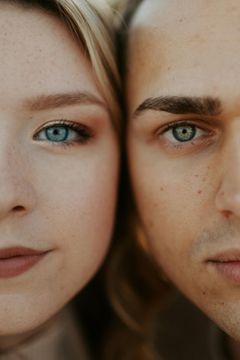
[226, 316]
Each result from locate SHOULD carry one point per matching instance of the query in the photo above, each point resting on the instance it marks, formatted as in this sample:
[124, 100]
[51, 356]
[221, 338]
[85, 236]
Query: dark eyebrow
[45, 102]
[181, 105]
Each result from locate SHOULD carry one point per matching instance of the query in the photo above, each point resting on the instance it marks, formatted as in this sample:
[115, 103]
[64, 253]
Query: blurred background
[113, 2]
[116, 3]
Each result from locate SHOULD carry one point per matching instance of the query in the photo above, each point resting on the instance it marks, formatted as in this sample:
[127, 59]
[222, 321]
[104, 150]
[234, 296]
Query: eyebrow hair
[45, 102]
[181, 105]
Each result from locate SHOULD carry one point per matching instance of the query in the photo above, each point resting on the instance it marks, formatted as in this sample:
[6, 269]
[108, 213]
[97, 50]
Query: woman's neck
[10, 342]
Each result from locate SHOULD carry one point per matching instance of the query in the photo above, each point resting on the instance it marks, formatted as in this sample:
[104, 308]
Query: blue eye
[57, 133]
[64, 132]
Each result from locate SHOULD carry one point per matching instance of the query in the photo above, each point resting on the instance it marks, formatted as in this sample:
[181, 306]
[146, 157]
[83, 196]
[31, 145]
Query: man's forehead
[146, 11]
[173, 13]
[187, 50]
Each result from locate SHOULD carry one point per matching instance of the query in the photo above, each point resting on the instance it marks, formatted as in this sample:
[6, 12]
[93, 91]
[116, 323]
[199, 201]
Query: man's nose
[17, 196]
[228, 194]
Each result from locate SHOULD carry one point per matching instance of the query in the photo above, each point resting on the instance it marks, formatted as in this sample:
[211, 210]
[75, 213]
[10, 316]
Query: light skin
[183, 144]
[58, 167]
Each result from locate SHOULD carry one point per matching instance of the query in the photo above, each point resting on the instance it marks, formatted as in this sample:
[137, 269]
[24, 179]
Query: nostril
[226, 213]
[18, 208]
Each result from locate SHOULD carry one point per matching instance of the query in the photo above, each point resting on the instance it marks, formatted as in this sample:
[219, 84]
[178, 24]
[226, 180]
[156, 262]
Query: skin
[188, 193]
[54, 196]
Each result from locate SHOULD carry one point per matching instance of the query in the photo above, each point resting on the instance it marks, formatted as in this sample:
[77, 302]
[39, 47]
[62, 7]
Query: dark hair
[136, 288]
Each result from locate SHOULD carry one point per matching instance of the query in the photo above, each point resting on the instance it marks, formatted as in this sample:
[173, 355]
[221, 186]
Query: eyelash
[83, 133]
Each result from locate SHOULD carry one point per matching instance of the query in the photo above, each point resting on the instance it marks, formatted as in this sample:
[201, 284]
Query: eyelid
[62, 122]
[205, 126]
[57, 122]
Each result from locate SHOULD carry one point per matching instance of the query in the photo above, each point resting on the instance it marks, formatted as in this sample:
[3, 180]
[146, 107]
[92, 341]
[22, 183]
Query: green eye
[184, 133]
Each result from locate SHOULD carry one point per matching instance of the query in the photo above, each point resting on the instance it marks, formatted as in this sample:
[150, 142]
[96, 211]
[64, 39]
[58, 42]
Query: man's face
[183, 92]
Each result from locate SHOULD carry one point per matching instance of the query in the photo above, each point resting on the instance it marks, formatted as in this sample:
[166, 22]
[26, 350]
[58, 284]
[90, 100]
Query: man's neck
[234, 347]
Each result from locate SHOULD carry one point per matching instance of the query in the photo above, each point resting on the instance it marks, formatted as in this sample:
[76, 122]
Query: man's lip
[16, 251]
[225, 257]
[227, 264]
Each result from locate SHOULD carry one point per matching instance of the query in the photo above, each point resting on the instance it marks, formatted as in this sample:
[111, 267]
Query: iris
[57, 133]
[184, 132]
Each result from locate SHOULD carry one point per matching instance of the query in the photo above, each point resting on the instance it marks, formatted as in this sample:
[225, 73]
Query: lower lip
[14, 266]
[230, 270]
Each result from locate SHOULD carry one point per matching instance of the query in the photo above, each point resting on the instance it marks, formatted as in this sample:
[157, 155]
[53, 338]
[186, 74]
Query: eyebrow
[45, 102]
[181, 105]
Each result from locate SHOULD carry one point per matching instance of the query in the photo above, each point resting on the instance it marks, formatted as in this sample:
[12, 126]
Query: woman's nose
[17, 195]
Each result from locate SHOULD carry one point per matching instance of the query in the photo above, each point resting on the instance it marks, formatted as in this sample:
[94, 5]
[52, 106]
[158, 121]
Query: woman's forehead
[38, 54]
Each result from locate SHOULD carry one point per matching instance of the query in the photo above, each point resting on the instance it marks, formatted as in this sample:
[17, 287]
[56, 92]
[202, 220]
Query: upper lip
[226, 256]
[19, 251]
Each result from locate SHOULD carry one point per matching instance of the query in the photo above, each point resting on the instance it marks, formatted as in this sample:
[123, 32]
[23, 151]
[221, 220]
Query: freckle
[196, 176]
[199, 191]
[162, 189]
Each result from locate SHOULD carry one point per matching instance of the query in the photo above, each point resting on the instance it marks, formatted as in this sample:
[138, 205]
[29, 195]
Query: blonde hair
[90, 22]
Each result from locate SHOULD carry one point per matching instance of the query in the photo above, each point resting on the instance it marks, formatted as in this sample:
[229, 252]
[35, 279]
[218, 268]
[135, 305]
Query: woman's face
[58, 169]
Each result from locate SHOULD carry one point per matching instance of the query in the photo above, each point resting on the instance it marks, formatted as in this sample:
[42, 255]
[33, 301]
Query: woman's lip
[17, 260]
[19, 251]
[227, 264]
